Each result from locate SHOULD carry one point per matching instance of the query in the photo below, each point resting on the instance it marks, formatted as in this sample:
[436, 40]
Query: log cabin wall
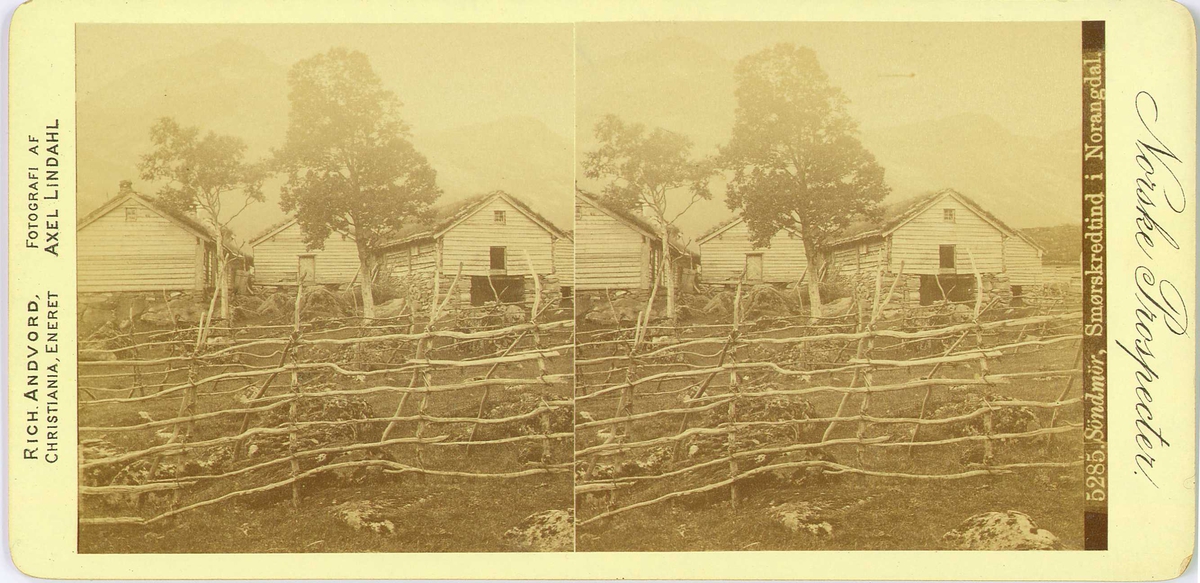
[855, 258]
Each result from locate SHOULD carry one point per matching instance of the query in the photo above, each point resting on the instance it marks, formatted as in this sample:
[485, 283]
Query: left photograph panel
[325, 279]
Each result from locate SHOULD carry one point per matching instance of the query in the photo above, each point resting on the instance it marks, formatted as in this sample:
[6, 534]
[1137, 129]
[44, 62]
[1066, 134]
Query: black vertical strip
[1095, 301]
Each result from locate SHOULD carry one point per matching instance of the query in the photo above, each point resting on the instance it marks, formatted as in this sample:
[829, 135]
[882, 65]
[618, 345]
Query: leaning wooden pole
[731, 438]
[293, 413]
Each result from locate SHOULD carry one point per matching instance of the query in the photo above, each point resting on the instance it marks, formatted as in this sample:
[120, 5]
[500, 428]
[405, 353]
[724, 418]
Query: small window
[498, 217]
[566, 292]
[130, 214]
[497, 255]
[946, 256]
[948, 215]
[578, 212]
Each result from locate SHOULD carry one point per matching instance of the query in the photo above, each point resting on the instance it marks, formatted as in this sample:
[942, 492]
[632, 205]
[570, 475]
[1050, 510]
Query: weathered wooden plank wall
[276, 258]
[609, 254]
[138, 251]
[723, 257]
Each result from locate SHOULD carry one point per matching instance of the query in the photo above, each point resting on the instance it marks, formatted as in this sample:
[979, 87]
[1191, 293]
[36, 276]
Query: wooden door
[754, 267]
[308, 269]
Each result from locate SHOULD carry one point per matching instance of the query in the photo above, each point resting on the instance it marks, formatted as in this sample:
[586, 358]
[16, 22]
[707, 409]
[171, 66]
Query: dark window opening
[956, 288]
[946, 256]
[1018, 296]
[504, 289]
[567, 291]
[499, 217]
[498, 259]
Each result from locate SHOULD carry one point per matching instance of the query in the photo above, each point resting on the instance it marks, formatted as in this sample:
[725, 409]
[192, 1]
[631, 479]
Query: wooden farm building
[564, 262]
[727, 251]
[281, 256]
[495, 238]
[133, 244]
[941, 239]
[620, 250]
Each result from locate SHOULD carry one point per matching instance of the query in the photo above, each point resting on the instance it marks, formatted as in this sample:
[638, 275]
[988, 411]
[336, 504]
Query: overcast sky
[446, 75]
[1022, 74]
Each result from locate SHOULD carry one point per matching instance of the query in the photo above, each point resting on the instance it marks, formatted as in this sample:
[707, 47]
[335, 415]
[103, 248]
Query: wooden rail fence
[177, 420]
[667, 412]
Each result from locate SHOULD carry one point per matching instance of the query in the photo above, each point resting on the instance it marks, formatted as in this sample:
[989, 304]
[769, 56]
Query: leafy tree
[642, 167]
[350, 165]
[795, 156]
[199, 173]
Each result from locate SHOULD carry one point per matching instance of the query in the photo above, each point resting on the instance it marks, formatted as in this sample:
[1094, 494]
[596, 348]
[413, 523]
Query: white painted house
[726, 251]
[281, 256]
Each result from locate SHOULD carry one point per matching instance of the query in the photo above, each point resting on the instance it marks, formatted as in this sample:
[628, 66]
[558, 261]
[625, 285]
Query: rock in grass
[550, 531]
[363, 515]
[801, 517]
[1001, 531]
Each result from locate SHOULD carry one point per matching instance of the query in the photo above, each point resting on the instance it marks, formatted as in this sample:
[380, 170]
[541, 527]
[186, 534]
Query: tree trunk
[366, 266]
[221, 285]
[815, 264]
[668, 278]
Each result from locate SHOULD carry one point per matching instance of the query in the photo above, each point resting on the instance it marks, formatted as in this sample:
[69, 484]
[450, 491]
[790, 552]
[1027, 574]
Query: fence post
[868, 376]
[988, 451]
[293, 438]
[841, 409]
[731, 438]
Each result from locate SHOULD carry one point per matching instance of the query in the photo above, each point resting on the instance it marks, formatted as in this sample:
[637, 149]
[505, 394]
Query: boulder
[1001, 531]
[549, 531]
[363, 515]
[391, 308]
[801, 517]
[837, 307]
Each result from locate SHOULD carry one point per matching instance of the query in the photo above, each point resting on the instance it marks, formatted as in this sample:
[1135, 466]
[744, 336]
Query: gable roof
[447, 216]
[898, 214]
[718, 228]
[723, 226]
[633, 221]
[184, 221]
[272, 230]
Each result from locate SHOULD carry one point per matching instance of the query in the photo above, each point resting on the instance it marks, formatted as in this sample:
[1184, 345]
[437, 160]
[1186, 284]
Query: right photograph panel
[828, 286]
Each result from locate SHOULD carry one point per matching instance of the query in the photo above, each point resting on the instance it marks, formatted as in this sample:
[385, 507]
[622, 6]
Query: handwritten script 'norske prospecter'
[1161, 309]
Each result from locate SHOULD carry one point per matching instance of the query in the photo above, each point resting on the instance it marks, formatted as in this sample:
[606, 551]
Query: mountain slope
[235, 89]
[683, 85]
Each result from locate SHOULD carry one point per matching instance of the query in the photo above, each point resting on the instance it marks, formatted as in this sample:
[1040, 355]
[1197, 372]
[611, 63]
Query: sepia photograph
[325, 288]
[828, 286]
[575, 291]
